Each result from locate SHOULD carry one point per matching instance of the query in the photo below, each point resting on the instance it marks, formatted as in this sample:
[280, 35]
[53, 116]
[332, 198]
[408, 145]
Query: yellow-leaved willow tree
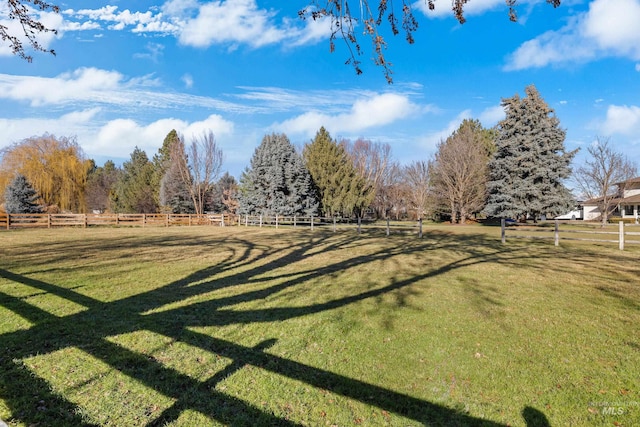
[55, 167]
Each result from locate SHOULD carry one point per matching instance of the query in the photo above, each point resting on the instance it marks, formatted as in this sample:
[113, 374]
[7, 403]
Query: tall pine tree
[20, 197]
[278, 183]
[134, 191]
[530, 163]
[333, 175]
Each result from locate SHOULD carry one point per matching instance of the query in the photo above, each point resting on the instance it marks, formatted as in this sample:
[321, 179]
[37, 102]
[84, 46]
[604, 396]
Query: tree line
[518, 169]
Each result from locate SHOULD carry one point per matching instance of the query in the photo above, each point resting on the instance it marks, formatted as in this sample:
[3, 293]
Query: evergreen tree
[224, 195]
[530, 162]
[170, 164]
[100, 186]
[277, 182]
[162, 162]
[20, 197]
[134, 190]
[333, 174]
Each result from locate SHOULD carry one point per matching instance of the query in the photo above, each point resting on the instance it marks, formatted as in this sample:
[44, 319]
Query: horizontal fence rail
[332, 223]
[621, 233]
[9, 221]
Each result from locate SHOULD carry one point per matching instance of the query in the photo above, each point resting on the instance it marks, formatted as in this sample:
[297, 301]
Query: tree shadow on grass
[90, 329]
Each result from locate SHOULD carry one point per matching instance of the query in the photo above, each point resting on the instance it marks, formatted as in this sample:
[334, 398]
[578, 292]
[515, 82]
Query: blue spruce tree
[277, 183]
[530, 164]
[20, 197]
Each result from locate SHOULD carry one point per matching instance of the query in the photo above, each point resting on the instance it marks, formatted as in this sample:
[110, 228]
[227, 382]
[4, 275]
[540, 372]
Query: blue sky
[127, 72]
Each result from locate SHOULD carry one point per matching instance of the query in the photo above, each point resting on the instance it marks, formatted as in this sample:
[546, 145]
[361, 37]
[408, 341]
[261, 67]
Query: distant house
[626, 202]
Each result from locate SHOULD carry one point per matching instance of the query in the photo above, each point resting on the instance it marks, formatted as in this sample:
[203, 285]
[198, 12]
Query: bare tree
[417, 178]
[372, 161]
[389, 190]
[200, 167]
[603, 174]
[460, 170]
[21, 11]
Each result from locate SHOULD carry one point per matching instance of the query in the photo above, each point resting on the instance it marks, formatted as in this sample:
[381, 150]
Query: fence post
[222, 220]
[557, 234]
[334, 223]
[311, 222]
[359, 220]
[276, 221]
[48, 220]
[621, 238]
[246, 220]
[144, 220]
[260, 220]
[166, 220]
[85, 221]
[503, 234]
[420, 228]
[8, 220]
[387, 226]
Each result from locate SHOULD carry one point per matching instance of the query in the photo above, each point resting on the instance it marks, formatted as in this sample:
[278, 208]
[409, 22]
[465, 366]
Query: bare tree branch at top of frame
[24, 12]
[368, 16]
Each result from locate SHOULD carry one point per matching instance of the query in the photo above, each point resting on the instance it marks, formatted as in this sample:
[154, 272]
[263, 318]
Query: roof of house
[635, 199]
[635, 180]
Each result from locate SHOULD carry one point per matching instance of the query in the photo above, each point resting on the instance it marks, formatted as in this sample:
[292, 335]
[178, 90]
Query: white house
[626, 202]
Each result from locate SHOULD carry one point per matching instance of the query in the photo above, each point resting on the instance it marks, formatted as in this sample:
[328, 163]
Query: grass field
[203, 326]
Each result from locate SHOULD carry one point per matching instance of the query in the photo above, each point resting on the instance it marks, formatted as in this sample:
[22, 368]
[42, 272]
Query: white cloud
[187, 79]
[95, 86]
[79, 84]
[153, 52]
[491, 116]
[230, 22]
[118, 137]
[364, 114]
[314, 31]
[119, 20]
[431, 140]
[622, 119]
[608, 28]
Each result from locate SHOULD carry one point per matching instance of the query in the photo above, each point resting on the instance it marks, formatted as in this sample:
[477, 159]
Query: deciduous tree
[417, 179]
[56, 167]
[371, 161]
[601, 171]
[199, 168]
[530, 164]
[460, 170]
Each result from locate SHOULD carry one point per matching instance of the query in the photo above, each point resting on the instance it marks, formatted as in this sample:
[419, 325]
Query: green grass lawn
[234, 326]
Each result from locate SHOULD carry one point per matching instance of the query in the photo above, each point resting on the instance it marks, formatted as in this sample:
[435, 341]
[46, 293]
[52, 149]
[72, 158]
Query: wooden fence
[8, 221]
[620, 233]
[333, 224]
